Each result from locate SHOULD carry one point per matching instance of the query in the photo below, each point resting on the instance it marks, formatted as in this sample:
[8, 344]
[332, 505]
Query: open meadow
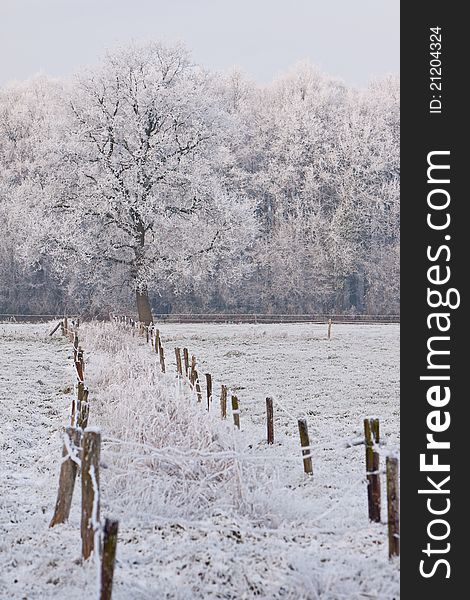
[205, 510]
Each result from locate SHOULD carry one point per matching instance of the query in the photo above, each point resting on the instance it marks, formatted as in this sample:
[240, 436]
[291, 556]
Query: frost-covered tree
[322, 162]
[140, 190]
[26, 113]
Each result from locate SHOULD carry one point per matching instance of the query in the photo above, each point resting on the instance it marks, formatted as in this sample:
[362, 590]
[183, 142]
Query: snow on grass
[207, 511]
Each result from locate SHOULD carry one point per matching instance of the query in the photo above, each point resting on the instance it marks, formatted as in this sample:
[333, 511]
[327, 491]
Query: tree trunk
[143, 306]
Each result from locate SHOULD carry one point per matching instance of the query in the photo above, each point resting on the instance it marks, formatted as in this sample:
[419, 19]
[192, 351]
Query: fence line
[265, 318]
[371, 431]
[81, 457]
[81, 451]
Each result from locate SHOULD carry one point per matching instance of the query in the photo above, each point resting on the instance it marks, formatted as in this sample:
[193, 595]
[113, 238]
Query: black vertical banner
[434, 329]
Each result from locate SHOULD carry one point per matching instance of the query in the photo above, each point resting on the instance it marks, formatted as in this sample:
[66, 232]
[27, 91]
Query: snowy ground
[204, 511]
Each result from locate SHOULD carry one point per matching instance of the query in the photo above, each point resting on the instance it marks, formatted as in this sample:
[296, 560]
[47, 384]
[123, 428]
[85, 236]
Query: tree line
[150, 182]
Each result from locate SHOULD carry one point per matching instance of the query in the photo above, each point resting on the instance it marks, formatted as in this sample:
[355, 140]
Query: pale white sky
[355, 40]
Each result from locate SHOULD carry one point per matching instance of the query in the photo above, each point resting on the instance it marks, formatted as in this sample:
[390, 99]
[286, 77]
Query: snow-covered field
[205, 511]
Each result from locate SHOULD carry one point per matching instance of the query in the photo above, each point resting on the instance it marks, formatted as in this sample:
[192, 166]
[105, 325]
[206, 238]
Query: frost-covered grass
[207, 511]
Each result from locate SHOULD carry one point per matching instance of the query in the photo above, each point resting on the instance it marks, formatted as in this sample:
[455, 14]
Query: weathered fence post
[110, 532]
[162, 358]
[236, 412]
[197, 386]
[157, 341]
[393, 505]
[305, 446]
[79, 367]
[209, 390]
[186, 361]
[372, 436]
[329, 329]
[81, 362]
[223, 402]
[76, 403]
[90, 489]
[193, 370]
[179, 366]
[270, 420]
[84, 411]
[59, 324]
[68, 473]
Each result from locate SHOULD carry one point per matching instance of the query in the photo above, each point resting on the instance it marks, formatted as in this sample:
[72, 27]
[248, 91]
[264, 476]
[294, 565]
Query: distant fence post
[193, 370]
[157, 341]
[329, 329]
[223, 402]
[68, 473]
[186, 361]
[270, 420]
[305, 446]
[393, 505]
[179, 366]
[236, 411]
[162, 358]
[84, 411]
[209, 390]
[59, 324]
[76, 404]
[372, 436]
[90, 489]
[197, 385]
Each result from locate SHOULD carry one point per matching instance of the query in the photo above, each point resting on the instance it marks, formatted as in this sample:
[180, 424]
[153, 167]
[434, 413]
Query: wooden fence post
[68, 473]
[84, 411]
[179, 366]
[186, 361]
[329, 329]
[157, 341]
[270, 420]
[81, 361]
[56, 328]
[193, 370]
[305, 445]
[162, 358]
[197, 385]
[90, 489]
[76, 404]
[372, 436]
[223, 402]
[110, 532]
[393, 505]
[79, 367]
[236, 412]
[209, 390]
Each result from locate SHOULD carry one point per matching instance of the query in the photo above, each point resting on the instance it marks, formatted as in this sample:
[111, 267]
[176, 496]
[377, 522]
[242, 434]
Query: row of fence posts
[372, 441]
[187, 368]
[81, 457]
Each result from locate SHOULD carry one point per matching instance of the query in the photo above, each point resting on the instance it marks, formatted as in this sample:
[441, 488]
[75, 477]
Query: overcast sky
[355, 40]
